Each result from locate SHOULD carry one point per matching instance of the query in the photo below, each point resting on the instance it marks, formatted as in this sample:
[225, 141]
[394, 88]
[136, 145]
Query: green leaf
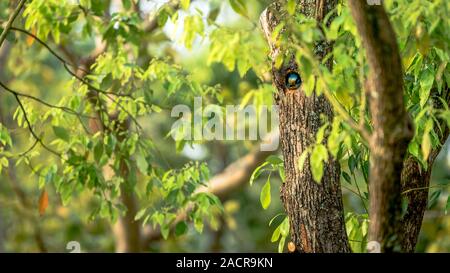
[321, 133]
[185, 4]
[347, 177]
[98, 151]
[426, 83]
[10, 37]
[198, 224]
[243, 65]
[352, 163]
[165, 231]
[447, 206]
[193, 25]
[282, 173]
[181, 228]
[279, 59]
[318, 156]
[239, 7]
[156, 108]
[274, 160]
[275, 217]
[142, 164]
[97, 6]
[140, 214]
[212, 16]
[5, 138]
[426, 140]
[426, 146]
[265, 197]
[290, 7]
[257, 172]
[61, 133]
[335, 139]
[275, 235]
[284, 227]
[309, 85]
[306, 67]
[434, 198]
[3, 163]
[281, 244]
[126, 4]
[162, 17]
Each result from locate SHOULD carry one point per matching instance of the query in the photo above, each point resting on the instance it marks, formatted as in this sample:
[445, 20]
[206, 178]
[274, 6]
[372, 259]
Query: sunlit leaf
[43, 202]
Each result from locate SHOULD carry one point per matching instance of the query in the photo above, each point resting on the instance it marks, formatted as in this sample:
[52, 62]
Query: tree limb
[392, 127]
[11, 20]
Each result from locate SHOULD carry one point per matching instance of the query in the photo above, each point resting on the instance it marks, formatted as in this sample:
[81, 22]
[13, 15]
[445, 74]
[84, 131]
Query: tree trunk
[392, 127]
[127, 231]
[315, 210]
[416, 183]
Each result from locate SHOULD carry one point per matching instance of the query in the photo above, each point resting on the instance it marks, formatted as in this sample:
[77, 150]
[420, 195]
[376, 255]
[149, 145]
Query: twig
[63, 108]
[425, 188]
[66, 65]
[359, 193]
[30, 128]
[10, 21]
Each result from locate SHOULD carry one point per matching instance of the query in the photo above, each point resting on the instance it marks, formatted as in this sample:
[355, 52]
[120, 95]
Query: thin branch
[30, 128]
[29, 149]
[63, 108]
[425, 188]
[67, 64]
[363, 99]
[10, 21]
[359, 193]
[353, 191]
[83, 81]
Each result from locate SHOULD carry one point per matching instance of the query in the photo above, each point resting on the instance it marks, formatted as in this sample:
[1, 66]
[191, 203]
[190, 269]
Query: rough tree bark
[392, 127]
[416, 181]
[315, 210]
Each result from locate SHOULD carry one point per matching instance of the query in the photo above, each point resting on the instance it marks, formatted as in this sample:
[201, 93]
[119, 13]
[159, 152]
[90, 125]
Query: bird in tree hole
[293, 80]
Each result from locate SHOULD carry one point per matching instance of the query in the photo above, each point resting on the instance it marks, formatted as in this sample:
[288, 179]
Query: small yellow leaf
[43, 202]
[30, 39]
[426, 146]
[185, 4]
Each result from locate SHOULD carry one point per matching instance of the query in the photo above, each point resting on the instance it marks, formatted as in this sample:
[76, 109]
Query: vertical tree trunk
[392, 127]
[127, 231]
[315, 210]
[416, 182]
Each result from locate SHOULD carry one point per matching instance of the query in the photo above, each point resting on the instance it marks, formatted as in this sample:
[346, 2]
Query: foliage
[86, 95]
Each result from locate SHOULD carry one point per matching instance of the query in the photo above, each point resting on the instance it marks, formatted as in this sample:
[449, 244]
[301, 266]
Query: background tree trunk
[315, 210]
[416, 183]
[392, 127]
